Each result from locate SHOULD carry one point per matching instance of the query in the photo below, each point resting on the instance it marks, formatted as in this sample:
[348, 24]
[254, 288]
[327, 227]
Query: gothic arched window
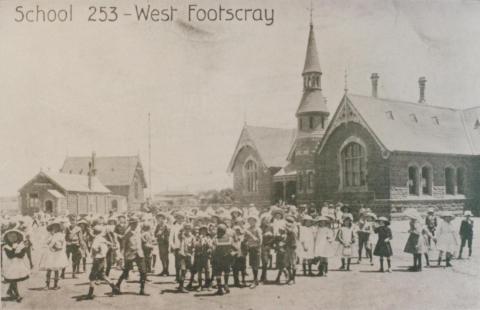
[353, 159]
[450, 181]
[413, 180]
[251, 176]
[427, 177]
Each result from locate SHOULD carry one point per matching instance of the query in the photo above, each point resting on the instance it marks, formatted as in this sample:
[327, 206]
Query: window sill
[355, 189]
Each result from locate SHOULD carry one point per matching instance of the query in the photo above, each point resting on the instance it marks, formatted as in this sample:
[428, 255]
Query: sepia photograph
[240, 154]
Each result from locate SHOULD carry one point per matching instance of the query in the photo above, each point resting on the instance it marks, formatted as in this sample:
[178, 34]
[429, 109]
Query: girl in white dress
[447, 239]
[323, 249]
[15, 266]
[346, 238]
[54, 258]
[305, 251]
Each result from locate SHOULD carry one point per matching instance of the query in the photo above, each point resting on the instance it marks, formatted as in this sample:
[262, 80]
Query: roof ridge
[267, 127]
[111, 156]
[408, 102]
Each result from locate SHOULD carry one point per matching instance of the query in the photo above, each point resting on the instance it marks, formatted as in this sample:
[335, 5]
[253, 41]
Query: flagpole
[149, 157]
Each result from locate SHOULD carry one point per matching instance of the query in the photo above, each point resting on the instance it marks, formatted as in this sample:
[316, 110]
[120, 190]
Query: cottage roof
[271, 144]
[414, 127]
[112, 171]
[74, 182]
[55, 193]
[312, 63]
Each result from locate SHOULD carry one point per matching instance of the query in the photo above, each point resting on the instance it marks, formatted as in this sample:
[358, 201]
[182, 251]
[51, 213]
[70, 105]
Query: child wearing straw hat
[253, 242]
[417, 243]
[346, 238]
[54, 258]
[307, 243]
[100, 247]
[447, 238]
[221, 258]
[322, 243]
[15, 265]
[383, 248]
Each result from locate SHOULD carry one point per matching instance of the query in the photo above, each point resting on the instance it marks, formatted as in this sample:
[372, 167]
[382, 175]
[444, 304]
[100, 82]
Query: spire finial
[346, 81]
[311, 13]
[245, 114]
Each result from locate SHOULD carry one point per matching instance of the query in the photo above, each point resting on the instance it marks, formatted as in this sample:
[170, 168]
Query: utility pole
[149, 158]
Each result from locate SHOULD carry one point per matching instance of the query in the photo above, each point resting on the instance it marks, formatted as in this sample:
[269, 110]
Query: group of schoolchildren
[212, 244]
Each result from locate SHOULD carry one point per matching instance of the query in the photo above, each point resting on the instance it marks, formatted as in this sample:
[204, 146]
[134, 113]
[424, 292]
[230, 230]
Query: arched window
[135, 189]
[114, 205]
[311, 121]
[354, 165]
[300, 182]
[310, 180]
[412, 180]
[426, 180]
[461, 180]
[450, 181]
[251, 176]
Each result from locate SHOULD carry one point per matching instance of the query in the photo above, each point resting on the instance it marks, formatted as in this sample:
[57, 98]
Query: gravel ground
[362, 288]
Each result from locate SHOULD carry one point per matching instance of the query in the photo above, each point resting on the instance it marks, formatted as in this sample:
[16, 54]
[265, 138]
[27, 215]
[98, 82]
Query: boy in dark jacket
[466, 233]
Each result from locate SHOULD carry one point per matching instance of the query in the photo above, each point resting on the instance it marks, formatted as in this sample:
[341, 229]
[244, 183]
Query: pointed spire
[312, 63]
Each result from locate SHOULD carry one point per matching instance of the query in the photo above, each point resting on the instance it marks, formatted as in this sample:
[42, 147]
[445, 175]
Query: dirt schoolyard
[362, 288]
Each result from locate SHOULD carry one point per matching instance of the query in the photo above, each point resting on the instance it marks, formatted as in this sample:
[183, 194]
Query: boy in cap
[174, 240]
[133, 253]
[221, 258]
[162, 233]
[148, 243]
[72, 238]
[466, 233]
[100, 248]
[239, 256]
[184, 254]
[203, 249]
[291, 248]
[253, 242]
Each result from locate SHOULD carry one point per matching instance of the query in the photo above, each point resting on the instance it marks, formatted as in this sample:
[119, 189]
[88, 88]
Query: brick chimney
[374, 77]
[422, 81]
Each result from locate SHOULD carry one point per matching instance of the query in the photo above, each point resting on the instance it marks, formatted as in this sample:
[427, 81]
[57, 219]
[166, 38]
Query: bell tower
[312, 113]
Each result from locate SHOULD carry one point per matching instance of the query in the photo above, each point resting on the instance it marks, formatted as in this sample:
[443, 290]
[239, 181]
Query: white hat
[467, 213]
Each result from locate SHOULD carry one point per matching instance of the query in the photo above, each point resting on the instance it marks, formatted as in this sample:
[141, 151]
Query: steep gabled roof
[112, 171]
[73, 182]
[271, 144]
[413, 127]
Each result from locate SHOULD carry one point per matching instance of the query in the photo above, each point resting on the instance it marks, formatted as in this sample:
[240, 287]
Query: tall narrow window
[323, 122]
[33, 201]
[251, 176]
[310, 180]
[136, 191]
[311, 122]
[353, 165]
[450, 181]
[426, 180]
[300, 182]
[413, 180]
[461, 181]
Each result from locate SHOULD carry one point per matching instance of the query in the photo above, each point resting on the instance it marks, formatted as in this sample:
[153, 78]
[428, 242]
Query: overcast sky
[71, 88]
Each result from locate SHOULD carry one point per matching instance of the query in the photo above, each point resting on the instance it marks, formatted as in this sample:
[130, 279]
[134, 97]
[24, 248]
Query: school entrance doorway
[49, 206]
[285, 187]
